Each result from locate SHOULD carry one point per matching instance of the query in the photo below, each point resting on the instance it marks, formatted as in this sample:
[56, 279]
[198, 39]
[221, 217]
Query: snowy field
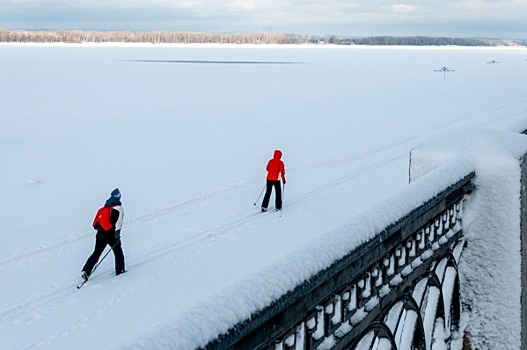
[185, 133]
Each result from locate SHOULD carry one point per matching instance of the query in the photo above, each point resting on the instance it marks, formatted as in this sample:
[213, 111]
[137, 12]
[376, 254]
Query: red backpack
[102, 219]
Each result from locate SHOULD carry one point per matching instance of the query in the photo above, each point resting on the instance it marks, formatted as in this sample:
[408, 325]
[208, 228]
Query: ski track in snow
[41, 253]
[32, 306]
[27, 310]
[44, 252]
[96, 312]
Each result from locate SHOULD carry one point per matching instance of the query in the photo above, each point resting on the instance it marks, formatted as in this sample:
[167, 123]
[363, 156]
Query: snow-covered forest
[175, 37]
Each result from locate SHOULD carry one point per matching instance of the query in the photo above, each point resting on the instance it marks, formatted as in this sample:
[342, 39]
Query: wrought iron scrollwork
[403, 281]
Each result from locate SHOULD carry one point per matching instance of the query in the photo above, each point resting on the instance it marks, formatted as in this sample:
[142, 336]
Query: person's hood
[277, 154]
[112, 202]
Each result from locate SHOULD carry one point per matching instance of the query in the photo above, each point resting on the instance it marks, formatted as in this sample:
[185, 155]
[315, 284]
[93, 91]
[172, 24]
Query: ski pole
[257, 199]
[283, 197]
[95, 267]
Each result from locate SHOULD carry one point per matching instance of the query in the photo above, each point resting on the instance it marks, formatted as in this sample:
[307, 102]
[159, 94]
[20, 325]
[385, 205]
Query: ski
[270, 211]
[86, 278]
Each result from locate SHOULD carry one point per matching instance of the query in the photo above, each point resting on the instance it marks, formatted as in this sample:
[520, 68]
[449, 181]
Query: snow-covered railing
[403, 280]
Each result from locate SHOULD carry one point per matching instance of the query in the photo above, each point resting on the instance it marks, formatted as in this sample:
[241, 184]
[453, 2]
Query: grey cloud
[384, 17]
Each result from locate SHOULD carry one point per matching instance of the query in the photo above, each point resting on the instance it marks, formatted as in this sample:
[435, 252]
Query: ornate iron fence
[400, 290]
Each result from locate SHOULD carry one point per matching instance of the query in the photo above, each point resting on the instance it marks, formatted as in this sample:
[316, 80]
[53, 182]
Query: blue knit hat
[116, 193]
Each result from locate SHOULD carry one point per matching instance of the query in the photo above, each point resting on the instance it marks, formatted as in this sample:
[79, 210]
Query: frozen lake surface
[185, 132]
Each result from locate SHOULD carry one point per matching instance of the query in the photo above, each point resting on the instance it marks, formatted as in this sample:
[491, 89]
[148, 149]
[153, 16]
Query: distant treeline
[155, 37]
[422, 41]
[159, 37]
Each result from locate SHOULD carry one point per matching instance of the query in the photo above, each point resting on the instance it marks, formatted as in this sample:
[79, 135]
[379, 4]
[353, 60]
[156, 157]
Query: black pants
[100, 244]
[277, 194]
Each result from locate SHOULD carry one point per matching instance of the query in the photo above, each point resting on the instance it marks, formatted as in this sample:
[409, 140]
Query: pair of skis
[84, 280]
[266, 211]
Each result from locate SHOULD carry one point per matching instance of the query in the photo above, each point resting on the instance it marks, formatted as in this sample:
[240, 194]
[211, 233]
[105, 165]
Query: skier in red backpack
[110, 236]
[275, 170]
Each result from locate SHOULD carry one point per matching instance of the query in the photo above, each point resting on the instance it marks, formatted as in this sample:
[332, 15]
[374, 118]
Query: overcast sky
[453, 18]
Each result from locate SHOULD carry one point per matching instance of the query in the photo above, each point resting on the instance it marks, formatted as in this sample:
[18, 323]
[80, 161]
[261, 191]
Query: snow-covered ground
[185, 133]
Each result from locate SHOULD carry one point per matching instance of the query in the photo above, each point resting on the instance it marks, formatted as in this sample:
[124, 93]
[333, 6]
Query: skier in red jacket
[275, 170]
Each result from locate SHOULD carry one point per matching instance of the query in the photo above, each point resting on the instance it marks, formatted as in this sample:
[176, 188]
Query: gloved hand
[117, 242]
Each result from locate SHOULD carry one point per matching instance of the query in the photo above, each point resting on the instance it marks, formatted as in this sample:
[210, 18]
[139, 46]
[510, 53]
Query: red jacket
[275, 167]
